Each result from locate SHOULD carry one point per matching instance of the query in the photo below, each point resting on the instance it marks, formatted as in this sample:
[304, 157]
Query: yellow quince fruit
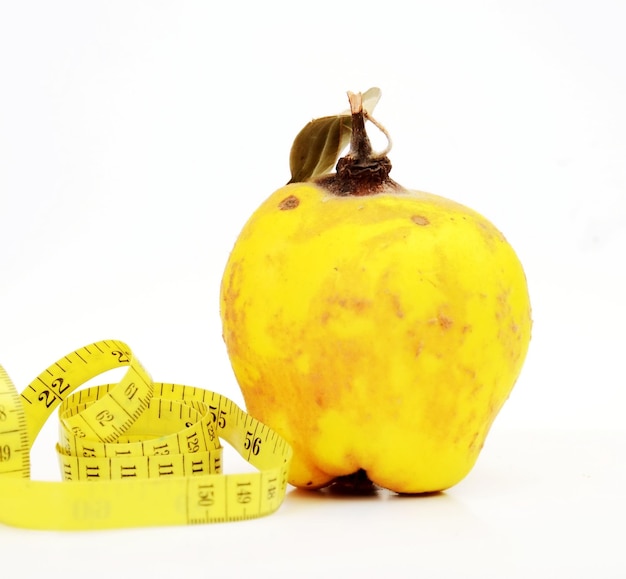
[378, 329]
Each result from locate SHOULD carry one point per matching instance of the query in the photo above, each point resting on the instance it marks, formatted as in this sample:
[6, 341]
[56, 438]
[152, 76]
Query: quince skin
[378, 332]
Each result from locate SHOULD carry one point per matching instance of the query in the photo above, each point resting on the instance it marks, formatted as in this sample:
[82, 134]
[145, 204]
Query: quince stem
[360, 146]
[361, 172]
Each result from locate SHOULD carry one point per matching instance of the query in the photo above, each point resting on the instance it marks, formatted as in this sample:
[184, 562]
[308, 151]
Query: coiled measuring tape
[133, 453]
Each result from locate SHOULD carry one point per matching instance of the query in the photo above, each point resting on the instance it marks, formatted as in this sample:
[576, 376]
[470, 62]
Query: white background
[137, 137]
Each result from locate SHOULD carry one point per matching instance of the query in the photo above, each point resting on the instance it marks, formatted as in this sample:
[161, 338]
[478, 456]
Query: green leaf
[316, 148]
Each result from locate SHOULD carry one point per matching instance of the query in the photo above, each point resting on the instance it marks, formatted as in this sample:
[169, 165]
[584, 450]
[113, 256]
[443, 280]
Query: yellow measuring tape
[133, 453]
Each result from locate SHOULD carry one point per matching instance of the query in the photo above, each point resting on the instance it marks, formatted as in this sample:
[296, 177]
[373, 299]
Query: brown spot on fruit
[472, 444]
[444, 322]
[290, 202]
[352, 304]
[397, 306]
[420, 220]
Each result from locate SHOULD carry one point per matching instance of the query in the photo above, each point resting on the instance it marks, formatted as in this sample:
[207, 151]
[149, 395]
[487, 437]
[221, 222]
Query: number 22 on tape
[134, 453]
